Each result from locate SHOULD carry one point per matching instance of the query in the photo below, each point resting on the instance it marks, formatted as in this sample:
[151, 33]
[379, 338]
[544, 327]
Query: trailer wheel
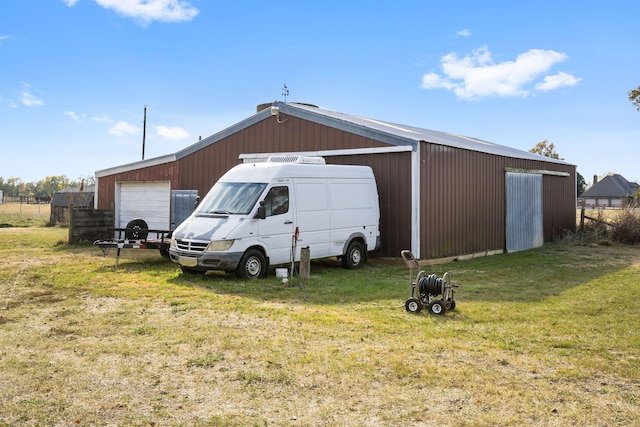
[452, 305]
[413, 305]
[437, 307]
[136, 229]
[355, 256]
[253, 265]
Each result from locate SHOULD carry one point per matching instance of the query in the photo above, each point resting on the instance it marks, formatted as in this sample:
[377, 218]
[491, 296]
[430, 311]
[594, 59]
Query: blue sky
[75, 75]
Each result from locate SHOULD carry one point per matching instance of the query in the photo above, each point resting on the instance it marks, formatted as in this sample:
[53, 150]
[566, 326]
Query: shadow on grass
[527, 276]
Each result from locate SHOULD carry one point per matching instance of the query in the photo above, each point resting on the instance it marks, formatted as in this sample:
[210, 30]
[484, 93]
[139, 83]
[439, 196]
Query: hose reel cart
[428, 290]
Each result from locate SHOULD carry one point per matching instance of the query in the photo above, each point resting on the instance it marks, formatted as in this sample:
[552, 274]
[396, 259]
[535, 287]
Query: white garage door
[150, 201]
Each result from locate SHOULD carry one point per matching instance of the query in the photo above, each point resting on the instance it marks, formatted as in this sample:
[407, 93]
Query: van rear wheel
[253, 265]
[355, 256]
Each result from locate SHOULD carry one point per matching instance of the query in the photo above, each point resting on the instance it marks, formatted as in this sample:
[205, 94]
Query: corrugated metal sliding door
[523, 211]
[149, 201]
[183, 202]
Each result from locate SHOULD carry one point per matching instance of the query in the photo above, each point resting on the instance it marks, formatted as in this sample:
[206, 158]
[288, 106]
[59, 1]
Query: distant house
[70, 196]
[613, 191]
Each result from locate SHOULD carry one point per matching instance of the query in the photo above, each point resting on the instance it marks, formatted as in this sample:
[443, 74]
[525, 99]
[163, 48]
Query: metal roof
[74, 195]
[612, 186]
[386, 132]
[398, 134]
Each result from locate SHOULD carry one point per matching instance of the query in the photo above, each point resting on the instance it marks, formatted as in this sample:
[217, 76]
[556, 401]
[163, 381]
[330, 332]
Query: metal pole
[144, 130]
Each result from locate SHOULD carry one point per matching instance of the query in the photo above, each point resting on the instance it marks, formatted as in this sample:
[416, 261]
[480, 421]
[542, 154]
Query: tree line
[43, 189]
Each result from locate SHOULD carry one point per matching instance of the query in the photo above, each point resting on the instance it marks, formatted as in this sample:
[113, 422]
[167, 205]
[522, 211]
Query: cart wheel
[136, 229]
[413, 305]
[452, 305]
[437, 307]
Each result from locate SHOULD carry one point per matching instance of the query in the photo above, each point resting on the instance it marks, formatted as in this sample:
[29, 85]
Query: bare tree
[634, 97]
[544, 148]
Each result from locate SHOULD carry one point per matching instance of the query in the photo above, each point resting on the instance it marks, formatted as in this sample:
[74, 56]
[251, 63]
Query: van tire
[253, 265]
[355, 256]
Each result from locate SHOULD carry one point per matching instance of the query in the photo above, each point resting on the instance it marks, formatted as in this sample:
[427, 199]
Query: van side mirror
[262, 211]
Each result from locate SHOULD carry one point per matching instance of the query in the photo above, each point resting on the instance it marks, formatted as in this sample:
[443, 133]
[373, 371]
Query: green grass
[542, 337]
[24, 215]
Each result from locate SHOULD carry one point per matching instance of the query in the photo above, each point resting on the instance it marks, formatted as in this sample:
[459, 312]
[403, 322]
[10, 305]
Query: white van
[251, 217]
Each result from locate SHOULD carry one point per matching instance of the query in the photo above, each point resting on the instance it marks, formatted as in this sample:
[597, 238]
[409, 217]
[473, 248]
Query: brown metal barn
[441, 194]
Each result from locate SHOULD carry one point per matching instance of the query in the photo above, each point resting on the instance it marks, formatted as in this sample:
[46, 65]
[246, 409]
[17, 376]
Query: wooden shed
[75, 196]
[441, 194]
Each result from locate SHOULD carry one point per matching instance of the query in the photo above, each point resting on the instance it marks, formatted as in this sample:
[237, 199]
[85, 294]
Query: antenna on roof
[285, 92]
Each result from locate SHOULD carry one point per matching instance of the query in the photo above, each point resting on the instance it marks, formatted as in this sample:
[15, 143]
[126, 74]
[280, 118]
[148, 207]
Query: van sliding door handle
[288, 222]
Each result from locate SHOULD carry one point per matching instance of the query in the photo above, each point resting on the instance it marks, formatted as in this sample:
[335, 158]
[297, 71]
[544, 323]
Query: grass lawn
[24, 214]
[547, 337]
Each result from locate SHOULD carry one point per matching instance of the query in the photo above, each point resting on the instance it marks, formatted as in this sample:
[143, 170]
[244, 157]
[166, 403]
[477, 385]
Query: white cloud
[70, 3]
[74, 116]
[464, 33]
[103, 119]
[172, 133]
[84, 116]
[476, 75]
[152, 10]
[3, 38]
[557, 81]
[123, 128]
[27, 98]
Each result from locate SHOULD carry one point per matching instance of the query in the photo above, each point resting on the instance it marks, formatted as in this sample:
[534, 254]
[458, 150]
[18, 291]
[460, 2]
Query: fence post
[71, 223]
[305, 263]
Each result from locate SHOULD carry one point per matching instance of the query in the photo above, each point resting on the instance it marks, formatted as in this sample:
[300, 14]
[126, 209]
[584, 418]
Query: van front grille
[191, 246]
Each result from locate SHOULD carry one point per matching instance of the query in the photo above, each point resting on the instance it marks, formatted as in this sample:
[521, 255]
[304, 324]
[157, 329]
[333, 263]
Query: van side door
[313, 219]
[275, 231]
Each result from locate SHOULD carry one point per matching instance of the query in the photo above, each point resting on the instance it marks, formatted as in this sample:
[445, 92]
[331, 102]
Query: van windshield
[231, 198]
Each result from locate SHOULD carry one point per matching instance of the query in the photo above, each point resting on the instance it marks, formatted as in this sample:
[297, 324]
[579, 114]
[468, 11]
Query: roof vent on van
[297, 159]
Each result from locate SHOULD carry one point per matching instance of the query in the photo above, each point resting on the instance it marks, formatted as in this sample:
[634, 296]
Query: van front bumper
[224, 261]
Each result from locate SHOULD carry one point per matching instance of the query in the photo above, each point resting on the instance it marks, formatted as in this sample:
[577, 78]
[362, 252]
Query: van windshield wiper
[220, 212]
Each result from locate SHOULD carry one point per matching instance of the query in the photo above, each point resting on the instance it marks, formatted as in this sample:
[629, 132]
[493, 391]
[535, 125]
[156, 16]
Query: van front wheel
[354, 258]
[253, 265]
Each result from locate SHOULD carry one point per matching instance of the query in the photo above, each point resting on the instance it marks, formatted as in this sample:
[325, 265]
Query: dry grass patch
[546, 337]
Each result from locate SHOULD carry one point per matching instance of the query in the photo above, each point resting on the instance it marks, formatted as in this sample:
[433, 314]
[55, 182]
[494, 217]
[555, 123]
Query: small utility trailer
[136, 235]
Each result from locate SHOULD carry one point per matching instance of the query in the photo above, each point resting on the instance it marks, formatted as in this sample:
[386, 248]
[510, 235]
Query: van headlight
[173, 242]
[220, 245]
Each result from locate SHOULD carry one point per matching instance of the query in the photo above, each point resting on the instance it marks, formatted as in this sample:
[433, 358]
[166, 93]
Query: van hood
[207, 228]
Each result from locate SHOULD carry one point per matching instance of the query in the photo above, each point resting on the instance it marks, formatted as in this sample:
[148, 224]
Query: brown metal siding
[107, 184]
[393, 176]
[462, 200]
[559, 204]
